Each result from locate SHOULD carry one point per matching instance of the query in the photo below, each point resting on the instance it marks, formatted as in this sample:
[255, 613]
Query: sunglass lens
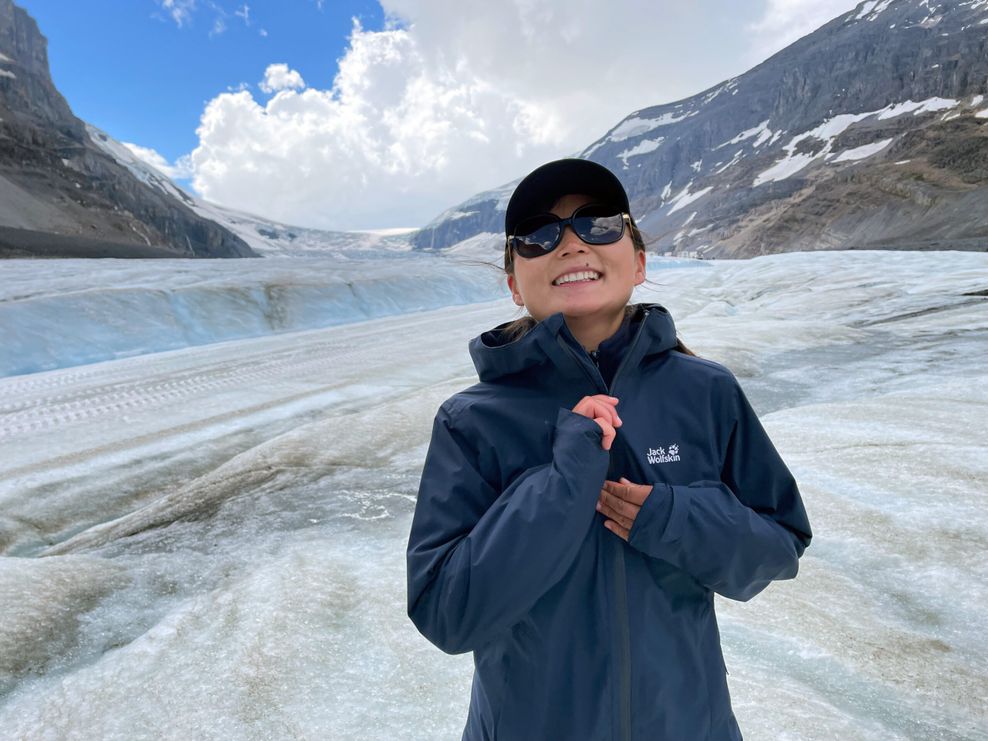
[597, 224]
[536, 236]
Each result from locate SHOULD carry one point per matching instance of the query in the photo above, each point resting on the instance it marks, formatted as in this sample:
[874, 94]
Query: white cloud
[452, 99]
[179, 170]
[180, 10]
[785, 21]
[280, 77]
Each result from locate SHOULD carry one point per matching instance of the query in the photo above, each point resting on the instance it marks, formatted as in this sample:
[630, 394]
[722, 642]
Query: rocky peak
[870, 132]
[28, 91]
[60, 193]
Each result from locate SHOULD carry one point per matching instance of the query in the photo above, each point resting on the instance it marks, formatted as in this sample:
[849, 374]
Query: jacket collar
[495, 357]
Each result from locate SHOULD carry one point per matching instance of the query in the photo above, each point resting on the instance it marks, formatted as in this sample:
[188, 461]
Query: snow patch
[737, 156]
[454, 215]
[872, 7]
[930, 105]
[761, 132]
[643, 147]
[860, 153]
[7, 73]
[685, 198]
[784, 168]
[793, 163]
[982, 114]
[636, 126]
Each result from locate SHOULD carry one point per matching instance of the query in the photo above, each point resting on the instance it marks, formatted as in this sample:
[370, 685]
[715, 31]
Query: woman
[582, 503]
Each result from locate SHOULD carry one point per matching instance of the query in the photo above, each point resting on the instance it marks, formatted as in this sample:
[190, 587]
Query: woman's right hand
[602, 409]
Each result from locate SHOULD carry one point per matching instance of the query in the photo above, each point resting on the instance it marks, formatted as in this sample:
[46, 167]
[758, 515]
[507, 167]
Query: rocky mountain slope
[266, 237]
[60, 193]
[871, 132]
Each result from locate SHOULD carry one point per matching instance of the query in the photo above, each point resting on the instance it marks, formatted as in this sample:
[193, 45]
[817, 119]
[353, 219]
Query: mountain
[61, 194]
[871, 132]
[267, 238]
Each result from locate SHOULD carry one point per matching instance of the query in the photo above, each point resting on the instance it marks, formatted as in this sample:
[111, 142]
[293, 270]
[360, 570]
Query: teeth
[571, 277]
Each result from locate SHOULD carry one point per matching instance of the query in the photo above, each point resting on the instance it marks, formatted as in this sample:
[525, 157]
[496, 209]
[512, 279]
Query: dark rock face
[871, 132]
[54, 179]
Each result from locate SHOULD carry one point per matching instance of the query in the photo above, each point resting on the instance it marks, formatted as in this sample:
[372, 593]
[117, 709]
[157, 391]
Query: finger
[622, 491]
[608, 431]
[618, 517]
[596, 406]
[615, 528]
[603, 409]
[629, 491]
[620, 506]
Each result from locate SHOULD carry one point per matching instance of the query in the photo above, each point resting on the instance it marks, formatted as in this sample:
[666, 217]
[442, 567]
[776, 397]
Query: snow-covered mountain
[870, 132]
[265, 237]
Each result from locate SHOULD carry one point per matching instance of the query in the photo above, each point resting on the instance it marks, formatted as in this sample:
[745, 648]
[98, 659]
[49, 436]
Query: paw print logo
[674, 449]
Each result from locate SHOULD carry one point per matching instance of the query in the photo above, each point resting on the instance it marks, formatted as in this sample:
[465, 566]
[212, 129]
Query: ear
[515, 294]
[639, 267]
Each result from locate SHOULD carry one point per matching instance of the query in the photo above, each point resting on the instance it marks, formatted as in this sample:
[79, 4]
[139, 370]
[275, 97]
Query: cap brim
[545, 185]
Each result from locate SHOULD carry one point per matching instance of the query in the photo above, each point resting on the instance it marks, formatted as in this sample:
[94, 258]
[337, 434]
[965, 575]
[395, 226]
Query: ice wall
[76, 312]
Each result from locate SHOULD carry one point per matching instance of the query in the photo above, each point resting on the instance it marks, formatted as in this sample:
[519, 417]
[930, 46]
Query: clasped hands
[619, 501]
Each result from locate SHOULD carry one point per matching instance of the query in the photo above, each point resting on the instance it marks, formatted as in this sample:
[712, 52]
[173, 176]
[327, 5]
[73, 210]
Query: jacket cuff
[661, 519]
[571, 422]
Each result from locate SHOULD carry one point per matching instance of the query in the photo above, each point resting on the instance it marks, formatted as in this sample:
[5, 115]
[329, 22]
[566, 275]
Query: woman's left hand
[620, 502]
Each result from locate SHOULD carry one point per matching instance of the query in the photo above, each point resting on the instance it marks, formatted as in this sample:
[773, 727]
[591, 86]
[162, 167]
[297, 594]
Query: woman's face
[616, 269]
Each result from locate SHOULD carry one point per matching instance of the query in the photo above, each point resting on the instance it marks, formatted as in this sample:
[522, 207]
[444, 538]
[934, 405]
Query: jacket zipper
[621, 588]
[620, 581]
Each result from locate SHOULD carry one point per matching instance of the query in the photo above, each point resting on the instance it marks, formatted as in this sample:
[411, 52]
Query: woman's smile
[577, 276]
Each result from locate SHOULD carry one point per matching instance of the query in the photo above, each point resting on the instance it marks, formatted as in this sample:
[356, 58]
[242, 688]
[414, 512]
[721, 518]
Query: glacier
[207, 541]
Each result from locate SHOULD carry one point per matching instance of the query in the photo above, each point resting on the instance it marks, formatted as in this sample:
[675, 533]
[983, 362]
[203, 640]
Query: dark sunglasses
[594, 224]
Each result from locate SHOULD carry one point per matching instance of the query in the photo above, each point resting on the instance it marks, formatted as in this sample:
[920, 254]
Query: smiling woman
[581, 504]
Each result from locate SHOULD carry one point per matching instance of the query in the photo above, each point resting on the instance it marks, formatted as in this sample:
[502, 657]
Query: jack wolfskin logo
[660, 455]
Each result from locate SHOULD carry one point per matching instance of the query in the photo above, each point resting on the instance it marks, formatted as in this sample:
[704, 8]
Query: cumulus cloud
[280, 77]
[448, 100]
[785, 21]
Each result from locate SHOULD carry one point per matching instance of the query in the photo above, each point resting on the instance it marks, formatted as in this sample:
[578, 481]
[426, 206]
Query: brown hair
[521, 326]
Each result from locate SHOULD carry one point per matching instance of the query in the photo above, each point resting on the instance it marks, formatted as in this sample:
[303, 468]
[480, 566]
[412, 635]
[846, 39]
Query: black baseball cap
[545, 185]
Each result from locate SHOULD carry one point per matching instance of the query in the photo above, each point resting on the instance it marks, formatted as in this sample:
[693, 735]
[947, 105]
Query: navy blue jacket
[577, 634]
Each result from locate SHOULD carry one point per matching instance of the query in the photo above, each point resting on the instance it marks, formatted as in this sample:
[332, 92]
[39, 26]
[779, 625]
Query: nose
[569, 243]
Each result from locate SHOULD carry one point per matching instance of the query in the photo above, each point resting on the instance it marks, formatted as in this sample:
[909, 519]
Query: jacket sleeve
[478, 559]
[735, 535]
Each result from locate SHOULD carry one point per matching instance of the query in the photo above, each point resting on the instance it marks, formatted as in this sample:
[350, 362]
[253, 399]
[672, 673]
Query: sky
[371, 114]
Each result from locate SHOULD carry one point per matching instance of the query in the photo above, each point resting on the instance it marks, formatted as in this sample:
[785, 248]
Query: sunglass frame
[561, 223]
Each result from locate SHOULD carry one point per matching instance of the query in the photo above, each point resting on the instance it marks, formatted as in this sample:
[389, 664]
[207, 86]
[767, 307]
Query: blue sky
[292, 111]
[129, 68]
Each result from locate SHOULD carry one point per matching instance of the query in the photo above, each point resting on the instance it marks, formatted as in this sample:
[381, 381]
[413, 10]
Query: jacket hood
[494, 356]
